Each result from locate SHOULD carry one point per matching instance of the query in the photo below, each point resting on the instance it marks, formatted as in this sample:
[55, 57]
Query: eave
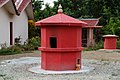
[3, 2]
[10, 7]
[23, 5]
[92, 26]
[26, 5]
[29, 11]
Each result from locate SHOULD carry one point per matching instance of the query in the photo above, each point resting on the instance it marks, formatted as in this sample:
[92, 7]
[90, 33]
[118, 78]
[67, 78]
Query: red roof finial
[60, 9]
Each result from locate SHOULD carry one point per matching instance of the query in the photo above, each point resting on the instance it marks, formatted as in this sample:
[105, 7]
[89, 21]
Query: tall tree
[37, 5]
[83, 9]
[47, 11]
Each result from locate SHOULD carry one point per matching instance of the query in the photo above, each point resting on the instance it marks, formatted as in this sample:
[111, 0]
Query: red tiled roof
[23, 5]
[91, 22]
[2, 2]
[61, 19]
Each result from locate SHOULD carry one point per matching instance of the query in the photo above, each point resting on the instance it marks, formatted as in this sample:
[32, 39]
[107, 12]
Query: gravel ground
[106, 67]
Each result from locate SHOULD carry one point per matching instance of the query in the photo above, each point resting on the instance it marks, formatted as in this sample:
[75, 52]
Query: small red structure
[61, 42]
[110, 42]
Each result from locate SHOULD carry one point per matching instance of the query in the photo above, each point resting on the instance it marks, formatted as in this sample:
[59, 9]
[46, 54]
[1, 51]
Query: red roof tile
[91, 22]
[23, 5]
[61, 19]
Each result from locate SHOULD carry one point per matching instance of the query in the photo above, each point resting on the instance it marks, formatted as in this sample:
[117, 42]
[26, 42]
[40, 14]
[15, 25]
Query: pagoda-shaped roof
[91, 23]
[61, 19]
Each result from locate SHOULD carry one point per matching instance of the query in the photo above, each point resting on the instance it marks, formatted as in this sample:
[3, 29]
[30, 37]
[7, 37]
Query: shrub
[98, 45]
[31, 44]
[10, 50]
[88, 49]
[35, 41]
[118, 44]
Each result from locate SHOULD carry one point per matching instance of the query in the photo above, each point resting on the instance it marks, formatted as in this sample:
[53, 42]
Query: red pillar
[110, 42]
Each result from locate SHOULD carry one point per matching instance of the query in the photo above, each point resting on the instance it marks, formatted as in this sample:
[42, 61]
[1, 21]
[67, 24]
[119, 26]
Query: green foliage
[47, 11]
[113, 26]
[88, 49]
[80, 8]
[33, 31]
[31, 44]
[107, 10]
[39, 13]
[97, 46]
[10, 50]
[118, 44]
[37, 5]
[94, 9]
[90, 8]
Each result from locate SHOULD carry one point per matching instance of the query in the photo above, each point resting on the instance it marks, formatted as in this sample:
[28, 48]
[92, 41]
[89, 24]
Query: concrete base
[38, 70]
[109, 50]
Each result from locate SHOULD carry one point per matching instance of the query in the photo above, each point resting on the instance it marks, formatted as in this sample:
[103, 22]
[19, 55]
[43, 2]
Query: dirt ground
[101, 55]
[32, 54]
[97, 55]
[106, 66]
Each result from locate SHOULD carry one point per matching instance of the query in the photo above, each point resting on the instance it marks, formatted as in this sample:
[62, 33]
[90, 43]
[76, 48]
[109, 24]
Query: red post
[110, 42]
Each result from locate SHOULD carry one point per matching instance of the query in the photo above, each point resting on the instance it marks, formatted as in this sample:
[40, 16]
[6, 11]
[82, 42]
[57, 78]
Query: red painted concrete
[110, 42]
[67, 32]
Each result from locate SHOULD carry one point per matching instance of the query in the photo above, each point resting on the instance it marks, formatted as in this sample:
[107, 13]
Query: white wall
[4, 26]
[20, 26]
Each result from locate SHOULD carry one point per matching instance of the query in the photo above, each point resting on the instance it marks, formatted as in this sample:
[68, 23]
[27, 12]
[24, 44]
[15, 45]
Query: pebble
[103, 70]
[1, 78]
